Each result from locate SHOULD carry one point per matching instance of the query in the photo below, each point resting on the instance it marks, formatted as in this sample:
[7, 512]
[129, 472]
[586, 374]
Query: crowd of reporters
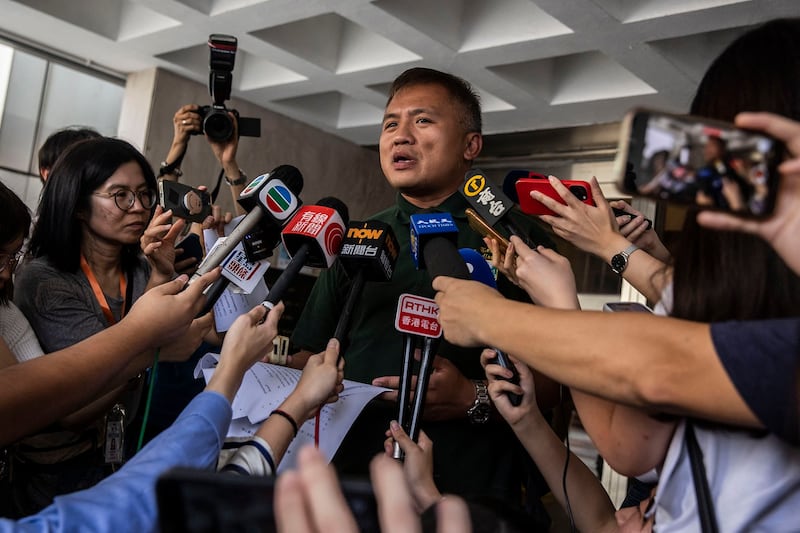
[98, 304]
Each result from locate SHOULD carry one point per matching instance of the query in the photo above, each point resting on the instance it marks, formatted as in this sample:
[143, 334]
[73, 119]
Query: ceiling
[537, 64]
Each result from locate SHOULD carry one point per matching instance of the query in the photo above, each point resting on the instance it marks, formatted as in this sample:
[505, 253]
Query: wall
[331, 166]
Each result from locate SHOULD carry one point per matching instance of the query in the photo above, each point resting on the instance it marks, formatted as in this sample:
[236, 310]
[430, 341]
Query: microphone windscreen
[338, 205]
[478, 267]
[442, 259]
[510, 184]
[290, 176]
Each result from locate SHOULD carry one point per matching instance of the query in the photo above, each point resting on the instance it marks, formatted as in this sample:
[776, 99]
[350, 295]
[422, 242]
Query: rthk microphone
[369, 253]
[480, 271]
[416, 317]
[266, 197]
[490, 203]
[313, 237]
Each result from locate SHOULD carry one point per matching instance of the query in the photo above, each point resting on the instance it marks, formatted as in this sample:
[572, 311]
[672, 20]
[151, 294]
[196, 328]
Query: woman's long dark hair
[729, 275]
[76, 174]
[15, 220]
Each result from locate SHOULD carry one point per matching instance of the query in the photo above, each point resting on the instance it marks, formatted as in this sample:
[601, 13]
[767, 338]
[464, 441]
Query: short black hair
[59, 141]
[15, 220]
[461, 91]
[79, 171]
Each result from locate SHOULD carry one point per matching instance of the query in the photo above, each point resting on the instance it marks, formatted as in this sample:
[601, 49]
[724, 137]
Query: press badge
[115, 435]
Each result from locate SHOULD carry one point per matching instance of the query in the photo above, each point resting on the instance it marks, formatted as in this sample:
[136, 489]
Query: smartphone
[191, 247]
[480, 226]
[580, 189]
[693, 160]
[195, 501]
[186, 202]
[626, 306]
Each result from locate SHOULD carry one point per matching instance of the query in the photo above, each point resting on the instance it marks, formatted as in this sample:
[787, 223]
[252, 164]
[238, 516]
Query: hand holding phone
[503, 360]
[479, 225]
[580, 189]
[693, 160]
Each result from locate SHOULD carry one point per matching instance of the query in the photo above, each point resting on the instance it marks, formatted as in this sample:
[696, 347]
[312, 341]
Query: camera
[215, 120]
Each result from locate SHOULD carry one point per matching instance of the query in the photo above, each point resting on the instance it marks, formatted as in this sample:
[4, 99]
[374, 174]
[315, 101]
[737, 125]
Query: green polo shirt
[469, 459]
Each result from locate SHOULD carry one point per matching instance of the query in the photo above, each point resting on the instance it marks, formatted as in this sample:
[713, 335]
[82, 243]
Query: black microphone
[313, 237]
[265, 230]
[267, 197]
[369, 253]
[433, 246]
[491, 204]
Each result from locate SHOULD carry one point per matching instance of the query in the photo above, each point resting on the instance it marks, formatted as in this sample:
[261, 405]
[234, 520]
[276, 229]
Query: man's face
[424, 147]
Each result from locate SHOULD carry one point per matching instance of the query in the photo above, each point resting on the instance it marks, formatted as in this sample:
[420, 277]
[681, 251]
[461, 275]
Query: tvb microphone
[266, 197]
[480, 271]
[313, 237]
[490, 203]
[280, 188]
[369, 253]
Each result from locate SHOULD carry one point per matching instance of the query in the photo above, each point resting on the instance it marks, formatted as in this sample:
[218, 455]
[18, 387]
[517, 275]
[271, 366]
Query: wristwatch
[241, 180]
[480, 410]
[619, 262]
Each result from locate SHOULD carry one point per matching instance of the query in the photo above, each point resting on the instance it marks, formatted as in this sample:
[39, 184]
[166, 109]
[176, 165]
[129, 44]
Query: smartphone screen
[691, 160]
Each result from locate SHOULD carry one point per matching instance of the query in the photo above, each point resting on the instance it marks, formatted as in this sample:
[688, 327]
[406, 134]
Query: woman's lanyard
[98, 292]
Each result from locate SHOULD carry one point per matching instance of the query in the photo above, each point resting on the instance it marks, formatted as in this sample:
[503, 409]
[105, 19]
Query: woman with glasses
[85, 272]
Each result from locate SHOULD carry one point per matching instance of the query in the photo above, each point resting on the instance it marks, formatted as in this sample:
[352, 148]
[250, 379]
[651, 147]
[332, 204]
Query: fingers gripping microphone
[270, 199]
[491, 203]
[313, 237]
[369, 253]
[480, 271]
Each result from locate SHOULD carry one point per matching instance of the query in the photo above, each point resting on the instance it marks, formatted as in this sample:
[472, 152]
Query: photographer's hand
[225, 152]
[184, 122]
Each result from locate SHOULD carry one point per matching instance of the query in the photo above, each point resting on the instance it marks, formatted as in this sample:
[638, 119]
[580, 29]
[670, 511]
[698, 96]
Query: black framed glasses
[125, 198]
[11, 260]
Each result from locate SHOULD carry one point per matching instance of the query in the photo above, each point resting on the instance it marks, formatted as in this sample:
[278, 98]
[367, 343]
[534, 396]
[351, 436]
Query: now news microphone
[480, 271]
[270, 200]
[369, 253]
[313, 237]
[490, 203]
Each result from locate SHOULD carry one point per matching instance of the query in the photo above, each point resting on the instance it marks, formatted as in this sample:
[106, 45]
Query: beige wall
[331, 166]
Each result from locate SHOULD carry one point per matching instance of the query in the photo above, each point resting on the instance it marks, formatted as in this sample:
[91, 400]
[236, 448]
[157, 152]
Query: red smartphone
[528, 205]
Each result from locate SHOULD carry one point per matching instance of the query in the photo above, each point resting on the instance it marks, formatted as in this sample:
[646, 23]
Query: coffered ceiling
[538, 64]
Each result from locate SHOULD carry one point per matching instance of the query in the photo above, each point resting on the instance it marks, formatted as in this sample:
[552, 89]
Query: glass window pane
[76, 98]
[18, 126]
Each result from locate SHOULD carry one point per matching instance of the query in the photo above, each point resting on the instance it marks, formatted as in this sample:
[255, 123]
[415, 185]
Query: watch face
[480, 413]
[618, 263]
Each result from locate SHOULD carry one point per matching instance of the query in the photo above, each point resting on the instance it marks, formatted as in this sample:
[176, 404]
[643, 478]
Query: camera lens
[218, 125]
[579, 192]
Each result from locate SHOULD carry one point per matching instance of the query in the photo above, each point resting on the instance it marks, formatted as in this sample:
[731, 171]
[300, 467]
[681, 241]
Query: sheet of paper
[232, 304]
[264, 388]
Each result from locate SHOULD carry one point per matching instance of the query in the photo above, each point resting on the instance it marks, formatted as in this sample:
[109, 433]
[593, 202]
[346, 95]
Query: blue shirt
[126, 501]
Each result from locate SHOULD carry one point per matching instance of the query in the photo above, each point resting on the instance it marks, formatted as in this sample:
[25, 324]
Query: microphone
[268, 197]
[284, 183]
[313, 237]
[433, 247]
[369, 253]
[491, 203]
[480, 271]
[510, 182]
[416, 317]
